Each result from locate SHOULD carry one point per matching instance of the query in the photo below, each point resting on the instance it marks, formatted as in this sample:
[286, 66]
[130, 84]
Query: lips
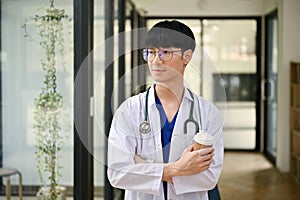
[158, 69]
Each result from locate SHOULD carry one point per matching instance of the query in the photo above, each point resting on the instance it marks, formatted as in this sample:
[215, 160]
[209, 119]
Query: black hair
[167, 34]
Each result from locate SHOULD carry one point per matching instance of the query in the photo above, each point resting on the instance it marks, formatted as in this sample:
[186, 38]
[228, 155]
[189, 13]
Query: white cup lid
[204, 138]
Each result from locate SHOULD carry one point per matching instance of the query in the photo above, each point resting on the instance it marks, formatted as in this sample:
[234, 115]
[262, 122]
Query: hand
[190, 163]
[193, 162]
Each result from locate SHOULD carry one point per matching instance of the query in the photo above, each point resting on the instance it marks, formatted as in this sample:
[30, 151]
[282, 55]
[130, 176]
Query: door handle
[263, 89]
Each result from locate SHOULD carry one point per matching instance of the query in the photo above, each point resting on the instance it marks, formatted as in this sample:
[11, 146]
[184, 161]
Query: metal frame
[1, 132]
[109, 84]
[269, 156]
[83, 45]
[134, 52]
[121, 42]
[141, 70]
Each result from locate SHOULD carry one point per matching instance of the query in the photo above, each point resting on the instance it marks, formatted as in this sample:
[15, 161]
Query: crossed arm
[190, 163]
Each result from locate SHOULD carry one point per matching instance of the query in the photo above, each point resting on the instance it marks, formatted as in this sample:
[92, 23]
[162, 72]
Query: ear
[187, 56]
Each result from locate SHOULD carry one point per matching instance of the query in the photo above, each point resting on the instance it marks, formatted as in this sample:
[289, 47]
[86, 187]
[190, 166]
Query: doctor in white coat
[150, 151]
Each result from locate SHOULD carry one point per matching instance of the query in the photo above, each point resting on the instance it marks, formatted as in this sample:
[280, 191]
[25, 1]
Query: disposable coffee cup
[203, 140]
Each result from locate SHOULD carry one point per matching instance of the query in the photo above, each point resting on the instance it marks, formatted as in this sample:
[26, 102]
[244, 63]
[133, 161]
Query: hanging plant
[49, 116]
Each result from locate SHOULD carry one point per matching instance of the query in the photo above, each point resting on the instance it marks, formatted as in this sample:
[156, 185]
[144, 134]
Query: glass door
[232, 45]
[269, 84]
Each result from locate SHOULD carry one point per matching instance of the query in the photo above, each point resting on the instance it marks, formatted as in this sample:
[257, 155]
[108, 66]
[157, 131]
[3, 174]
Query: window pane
[231, 46]
[22, 81]
[99, 87]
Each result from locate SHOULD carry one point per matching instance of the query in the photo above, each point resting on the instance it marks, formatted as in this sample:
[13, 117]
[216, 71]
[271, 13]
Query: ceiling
[201, 7]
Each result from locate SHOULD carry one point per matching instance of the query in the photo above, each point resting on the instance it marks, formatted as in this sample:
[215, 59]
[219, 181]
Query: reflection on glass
[238, 87]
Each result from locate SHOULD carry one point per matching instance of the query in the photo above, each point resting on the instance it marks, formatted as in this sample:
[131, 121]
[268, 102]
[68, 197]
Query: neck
[170, 92]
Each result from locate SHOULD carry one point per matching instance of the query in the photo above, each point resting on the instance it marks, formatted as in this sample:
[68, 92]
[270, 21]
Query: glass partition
[99, 136]
[231, 45]
[99, 82]
[22, 81]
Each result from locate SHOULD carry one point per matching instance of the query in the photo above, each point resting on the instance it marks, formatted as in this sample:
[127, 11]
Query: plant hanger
[49, 124]
[51, 3]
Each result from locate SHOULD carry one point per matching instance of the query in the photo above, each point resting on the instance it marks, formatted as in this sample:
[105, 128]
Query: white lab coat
[142, 181]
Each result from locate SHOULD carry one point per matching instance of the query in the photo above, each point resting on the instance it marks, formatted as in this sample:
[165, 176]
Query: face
[166, 64]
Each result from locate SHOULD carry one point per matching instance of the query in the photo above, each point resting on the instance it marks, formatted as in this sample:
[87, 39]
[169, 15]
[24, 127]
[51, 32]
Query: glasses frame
[160, 52]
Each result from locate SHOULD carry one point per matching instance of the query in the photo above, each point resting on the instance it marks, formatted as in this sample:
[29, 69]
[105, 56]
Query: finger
[208, 157]
[206, 151]
[205, 154]
[206, 164]
[190, 148]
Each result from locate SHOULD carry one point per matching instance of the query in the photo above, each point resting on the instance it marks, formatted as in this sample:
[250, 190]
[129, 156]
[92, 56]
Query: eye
[151, 51]
[165, 52]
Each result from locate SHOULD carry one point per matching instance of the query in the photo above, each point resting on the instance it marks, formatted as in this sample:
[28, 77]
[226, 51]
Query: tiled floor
[248, 176]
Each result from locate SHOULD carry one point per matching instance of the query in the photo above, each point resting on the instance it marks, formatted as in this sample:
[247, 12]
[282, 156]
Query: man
[150, 151]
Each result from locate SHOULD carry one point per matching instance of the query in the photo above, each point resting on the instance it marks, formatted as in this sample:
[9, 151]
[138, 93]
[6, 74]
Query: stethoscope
[145, 125]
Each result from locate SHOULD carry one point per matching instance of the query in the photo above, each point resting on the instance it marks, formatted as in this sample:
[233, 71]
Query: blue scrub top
[166, 134]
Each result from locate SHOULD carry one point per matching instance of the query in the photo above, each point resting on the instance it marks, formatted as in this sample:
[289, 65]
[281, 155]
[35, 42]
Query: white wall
[270, 5]
[289, 49]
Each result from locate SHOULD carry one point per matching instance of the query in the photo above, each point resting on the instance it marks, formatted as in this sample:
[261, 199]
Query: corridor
[249, 176]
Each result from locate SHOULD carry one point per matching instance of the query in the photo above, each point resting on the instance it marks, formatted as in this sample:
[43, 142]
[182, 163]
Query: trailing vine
[49, 116]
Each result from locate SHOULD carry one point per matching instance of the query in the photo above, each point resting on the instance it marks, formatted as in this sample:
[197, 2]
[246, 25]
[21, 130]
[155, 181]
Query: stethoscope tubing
[191, 118]
[145, 125]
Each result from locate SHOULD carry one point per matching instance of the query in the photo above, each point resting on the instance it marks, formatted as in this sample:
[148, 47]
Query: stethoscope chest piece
[145, 127]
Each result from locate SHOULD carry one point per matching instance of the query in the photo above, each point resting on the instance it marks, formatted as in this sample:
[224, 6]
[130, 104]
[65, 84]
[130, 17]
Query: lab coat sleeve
[122, 171]
[205, 180]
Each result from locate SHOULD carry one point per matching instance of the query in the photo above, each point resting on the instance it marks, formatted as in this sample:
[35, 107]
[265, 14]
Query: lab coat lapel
[154, 118]
[181, 141]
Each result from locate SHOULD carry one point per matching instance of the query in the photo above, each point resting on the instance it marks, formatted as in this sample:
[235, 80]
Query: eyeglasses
[164, 55]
